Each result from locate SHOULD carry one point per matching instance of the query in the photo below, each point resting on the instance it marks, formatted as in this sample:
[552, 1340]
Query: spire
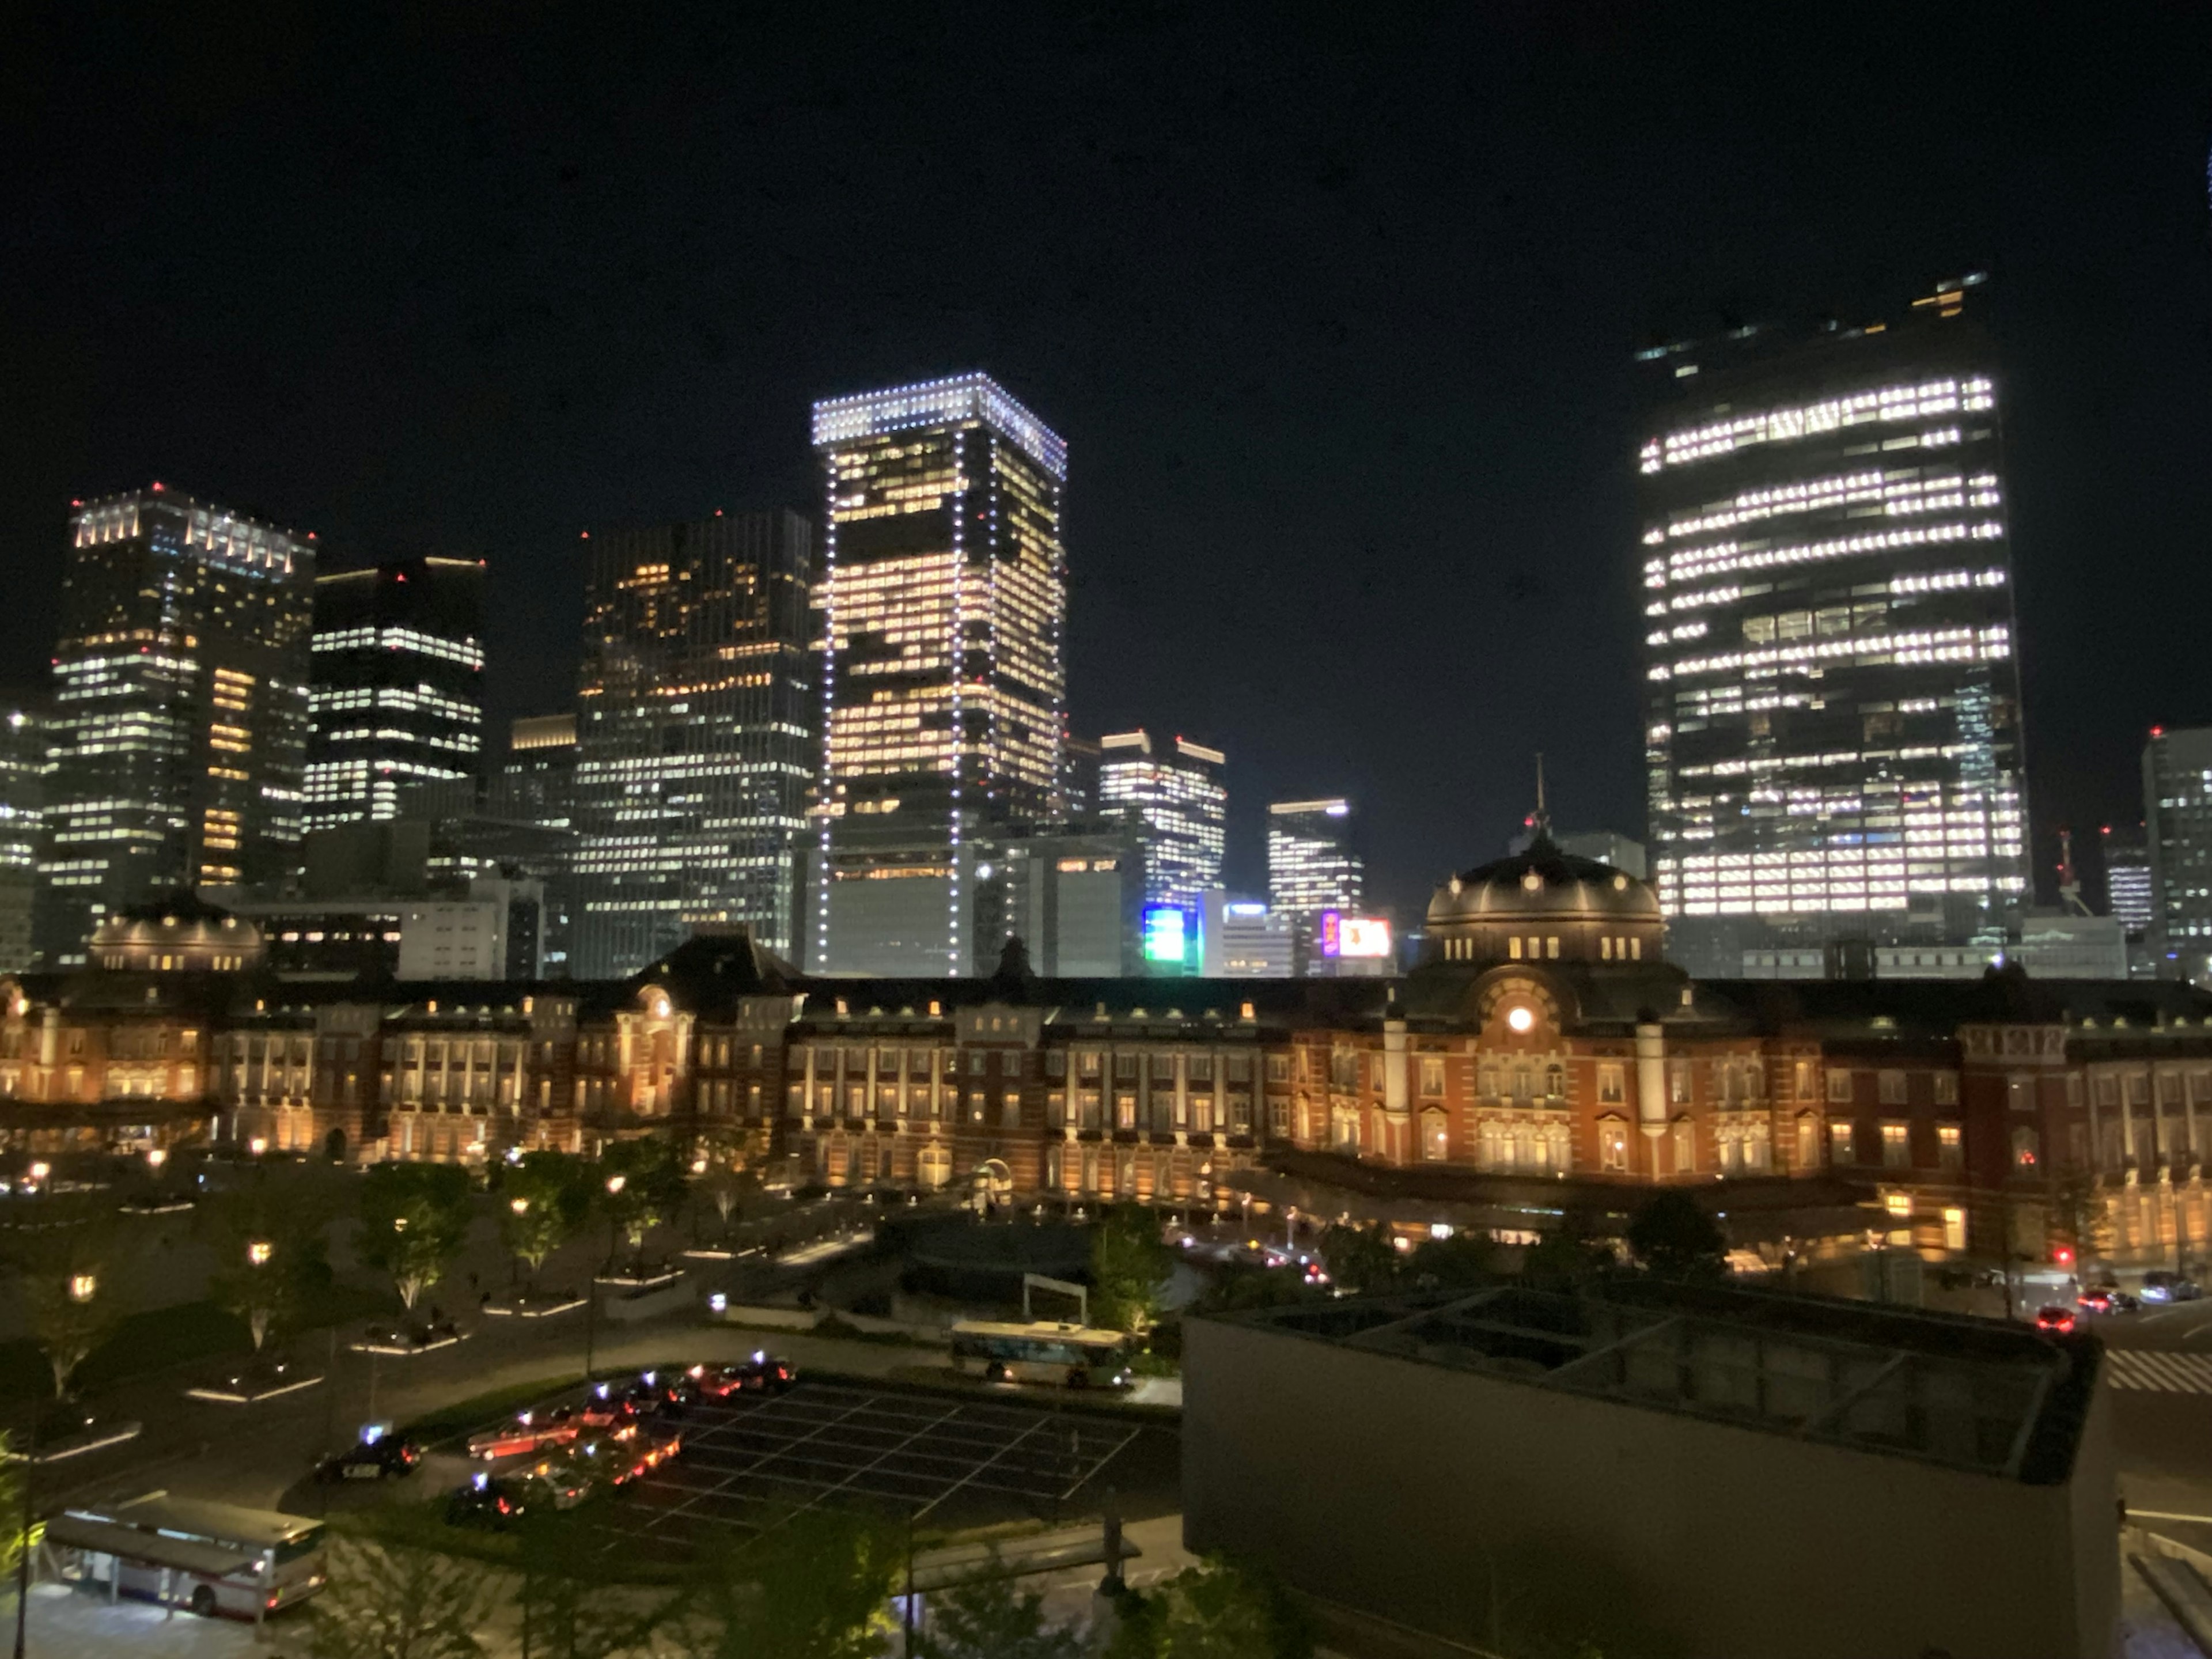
[1540, 821]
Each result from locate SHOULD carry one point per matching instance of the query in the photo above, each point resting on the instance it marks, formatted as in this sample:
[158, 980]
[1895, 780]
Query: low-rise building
[1641, 1466]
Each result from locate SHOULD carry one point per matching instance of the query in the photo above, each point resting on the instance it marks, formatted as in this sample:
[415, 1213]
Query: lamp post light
[257, 1145]
[257, 1252]
[83, 1287]
[156, 1156]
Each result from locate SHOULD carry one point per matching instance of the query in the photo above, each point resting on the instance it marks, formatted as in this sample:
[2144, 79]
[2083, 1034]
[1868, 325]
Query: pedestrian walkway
[2169, 1373]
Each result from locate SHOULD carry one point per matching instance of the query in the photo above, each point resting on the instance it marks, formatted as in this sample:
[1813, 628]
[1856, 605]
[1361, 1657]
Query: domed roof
[1544, 881]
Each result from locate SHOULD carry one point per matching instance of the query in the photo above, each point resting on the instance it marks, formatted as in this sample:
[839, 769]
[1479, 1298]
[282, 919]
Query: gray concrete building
[1655, 1467]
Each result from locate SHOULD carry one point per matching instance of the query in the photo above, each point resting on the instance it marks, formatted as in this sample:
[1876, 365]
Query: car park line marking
[1091, 1474]
[2151, 1370]
[769, 1457]
[980, 1468]
[887, 1452]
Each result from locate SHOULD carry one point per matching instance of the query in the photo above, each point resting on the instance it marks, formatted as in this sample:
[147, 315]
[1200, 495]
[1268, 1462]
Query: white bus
[219, 1560]
[1071, 1355]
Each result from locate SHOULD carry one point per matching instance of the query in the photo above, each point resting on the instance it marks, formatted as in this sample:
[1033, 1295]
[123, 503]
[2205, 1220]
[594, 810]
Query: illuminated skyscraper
[398, 693]
[697, 716]
[24, 769]
[1312, 862]
[2176, 774]
[1181, 808]
[944, 602]
[1832, 727]
[180, 729]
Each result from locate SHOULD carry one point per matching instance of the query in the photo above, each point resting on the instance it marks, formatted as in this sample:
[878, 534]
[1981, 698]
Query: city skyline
[1274, 359]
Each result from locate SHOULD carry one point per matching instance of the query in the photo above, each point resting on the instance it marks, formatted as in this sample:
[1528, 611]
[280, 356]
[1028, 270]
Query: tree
[1128, 1266]
[414, 1218]
[1463, 1259]
[2079, 1216]
[12, 1533]
[68, 1269]
[988, 1617]
[641, 1186]
[815, 1588]
[1216, 1610]
[546, 1197]
[567, 1609]
[396, 1603]
[1566, 1253]
[272, 1260]
[1672, 1235]
[1360, 1259]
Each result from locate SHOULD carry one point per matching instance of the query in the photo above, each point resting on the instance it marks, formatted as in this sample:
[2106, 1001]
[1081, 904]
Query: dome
[180, 932]
[1547, 903]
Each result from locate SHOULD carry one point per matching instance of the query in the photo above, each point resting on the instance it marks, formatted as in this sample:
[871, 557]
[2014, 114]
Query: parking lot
[948, 1461]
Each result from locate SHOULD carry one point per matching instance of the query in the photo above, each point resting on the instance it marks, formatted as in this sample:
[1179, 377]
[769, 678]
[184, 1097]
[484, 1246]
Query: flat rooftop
[1970, 1393]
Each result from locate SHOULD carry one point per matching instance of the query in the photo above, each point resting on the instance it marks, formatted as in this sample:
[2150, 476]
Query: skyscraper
[1175, 794]
[180, 707]
[1832, 728]
[2177, 772]
[2128, 894]
[696, 735]
[944, 602]
[398, 692]
[23, 772]
[1312, 862]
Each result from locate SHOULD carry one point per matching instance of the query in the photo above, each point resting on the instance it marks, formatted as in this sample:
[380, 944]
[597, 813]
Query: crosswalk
[2170, 1373]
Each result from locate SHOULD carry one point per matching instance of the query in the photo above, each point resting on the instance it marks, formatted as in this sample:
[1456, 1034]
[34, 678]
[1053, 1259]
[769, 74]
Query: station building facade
[1544, 1059]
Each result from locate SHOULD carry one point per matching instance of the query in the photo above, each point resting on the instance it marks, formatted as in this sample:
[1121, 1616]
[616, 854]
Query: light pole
[592, 1288]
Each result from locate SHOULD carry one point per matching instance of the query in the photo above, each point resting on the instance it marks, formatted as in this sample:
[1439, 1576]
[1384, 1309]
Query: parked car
[486, 1502]
[2055, 1317]
[763, 1372]
[376, 1456]
[530, 1432]
[2161, 1285]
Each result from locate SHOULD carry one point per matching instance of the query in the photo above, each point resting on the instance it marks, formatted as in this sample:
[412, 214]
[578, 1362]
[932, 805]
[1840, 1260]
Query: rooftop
[1967, 1393]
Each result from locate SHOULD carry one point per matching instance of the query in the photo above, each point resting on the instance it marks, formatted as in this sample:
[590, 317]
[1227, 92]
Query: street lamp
[83, 1286]
[156, 1156]
[257, 1145]
[257, 1252]
[41, 1170]
[615, 1183]
[520, 1206]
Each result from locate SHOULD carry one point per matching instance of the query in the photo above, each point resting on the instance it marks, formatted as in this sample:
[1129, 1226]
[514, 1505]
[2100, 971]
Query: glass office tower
[1313, 864]
[945, 605]
[179, 723]
[398, 693]
[1174, 790]
[2176, 777]
[695, 736]
[1833, 725]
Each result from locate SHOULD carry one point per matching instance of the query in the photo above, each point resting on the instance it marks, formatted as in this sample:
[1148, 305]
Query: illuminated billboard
[1340, 935]
[1170, 932]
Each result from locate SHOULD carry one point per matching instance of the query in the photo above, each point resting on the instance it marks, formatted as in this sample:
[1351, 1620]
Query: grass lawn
[161, 1337]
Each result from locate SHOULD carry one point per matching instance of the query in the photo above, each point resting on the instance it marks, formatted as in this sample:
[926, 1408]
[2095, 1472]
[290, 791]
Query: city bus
[1070, 1356]
[219, 1560]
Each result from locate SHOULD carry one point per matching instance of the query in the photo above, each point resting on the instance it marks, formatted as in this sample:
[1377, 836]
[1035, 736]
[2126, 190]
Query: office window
[1435, 1138]
[1610, 1087]
[1896, 1145]
[1839, 1143]
[1950, 1145]
[1890, 1088]
[1839, 1087]
[1010, 1111]
[1678, 1082]
[1685, 1147]
[1947, 1088]
[1055, 1063]
[1613, 1145]
[2020, 1091]
[1433, 1075]
[1801, 1080]
[1279, 1068]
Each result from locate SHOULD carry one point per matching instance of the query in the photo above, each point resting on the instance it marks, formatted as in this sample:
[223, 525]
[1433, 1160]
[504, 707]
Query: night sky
[1335, 307]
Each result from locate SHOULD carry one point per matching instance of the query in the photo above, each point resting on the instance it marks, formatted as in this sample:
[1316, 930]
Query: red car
[2054, 1318]
[529, 1432]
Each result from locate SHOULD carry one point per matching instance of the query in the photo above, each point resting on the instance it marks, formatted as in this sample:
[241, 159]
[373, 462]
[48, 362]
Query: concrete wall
[1403, 1488]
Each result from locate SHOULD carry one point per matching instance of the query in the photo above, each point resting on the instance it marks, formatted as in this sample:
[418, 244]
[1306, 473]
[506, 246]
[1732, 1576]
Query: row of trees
[819, 1586]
